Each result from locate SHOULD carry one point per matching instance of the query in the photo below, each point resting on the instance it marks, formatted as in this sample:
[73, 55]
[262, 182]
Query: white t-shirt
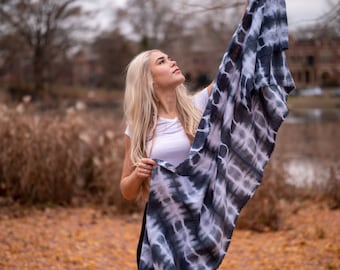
[170, 142]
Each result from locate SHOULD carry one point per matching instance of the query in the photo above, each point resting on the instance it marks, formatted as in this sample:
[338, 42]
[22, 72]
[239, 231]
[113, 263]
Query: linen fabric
[193, 207]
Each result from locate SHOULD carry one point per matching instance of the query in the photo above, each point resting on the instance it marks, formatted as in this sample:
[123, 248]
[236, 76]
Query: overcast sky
[306, 11]
[300, 12]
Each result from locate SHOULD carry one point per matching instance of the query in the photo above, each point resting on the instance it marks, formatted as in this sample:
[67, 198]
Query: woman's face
[164, 71]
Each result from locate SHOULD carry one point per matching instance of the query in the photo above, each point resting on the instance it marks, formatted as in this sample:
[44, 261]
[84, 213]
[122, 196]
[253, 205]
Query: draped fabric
[193, 208]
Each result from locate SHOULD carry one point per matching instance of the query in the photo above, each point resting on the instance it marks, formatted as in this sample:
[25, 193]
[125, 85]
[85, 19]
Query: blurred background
[62, 68]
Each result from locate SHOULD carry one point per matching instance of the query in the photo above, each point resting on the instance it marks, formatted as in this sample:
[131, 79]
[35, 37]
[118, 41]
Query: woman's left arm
[210, 86]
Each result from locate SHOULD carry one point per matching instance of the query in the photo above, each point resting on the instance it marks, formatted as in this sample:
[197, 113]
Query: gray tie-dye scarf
[193, 208]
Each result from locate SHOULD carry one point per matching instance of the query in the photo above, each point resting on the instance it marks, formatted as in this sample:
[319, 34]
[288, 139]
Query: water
[302, 172]
[315, 115]
[309, 147]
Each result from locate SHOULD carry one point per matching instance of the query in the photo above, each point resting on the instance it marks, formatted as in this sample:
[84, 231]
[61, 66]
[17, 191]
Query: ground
[92, 238]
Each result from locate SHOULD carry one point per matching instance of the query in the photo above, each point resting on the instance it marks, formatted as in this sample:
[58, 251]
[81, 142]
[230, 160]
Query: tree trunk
[38, 71]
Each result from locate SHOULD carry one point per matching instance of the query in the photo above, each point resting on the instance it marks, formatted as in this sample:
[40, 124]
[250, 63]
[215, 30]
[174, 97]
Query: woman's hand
[134, 175]
[144, 167]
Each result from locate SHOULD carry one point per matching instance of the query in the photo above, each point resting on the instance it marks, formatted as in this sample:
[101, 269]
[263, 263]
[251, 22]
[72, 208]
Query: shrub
[263, 211]
[60, 158]
[330, 191]
[75, 156]
[18, 91]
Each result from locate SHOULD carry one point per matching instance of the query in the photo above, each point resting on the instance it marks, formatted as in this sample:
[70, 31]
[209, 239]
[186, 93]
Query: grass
[88, 94]
[73, 155]
[60, 157]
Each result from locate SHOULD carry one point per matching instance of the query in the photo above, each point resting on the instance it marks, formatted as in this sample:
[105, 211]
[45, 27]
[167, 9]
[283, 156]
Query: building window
[299, 76]
[307, 76]
[325, 57]
[310, 60]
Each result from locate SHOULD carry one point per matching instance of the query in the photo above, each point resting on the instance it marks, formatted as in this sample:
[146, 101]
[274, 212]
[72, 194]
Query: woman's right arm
[210, 86]
[134, 176]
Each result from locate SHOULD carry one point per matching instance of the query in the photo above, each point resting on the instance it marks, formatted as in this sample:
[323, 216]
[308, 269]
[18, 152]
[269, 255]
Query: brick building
[314, 62]
[86, 70]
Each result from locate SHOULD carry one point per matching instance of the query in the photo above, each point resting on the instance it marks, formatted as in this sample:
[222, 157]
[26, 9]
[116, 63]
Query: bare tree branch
[42, 26]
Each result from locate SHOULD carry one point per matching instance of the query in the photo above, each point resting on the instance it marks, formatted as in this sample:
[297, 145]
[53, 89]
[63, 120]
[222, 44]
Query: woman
[155, 99]
[162, 118]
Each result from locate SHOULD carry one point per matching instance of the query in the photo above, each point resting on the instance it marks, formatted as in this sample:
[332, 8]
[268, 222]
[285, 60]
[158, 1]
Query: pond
[308, 147]
[315, 115]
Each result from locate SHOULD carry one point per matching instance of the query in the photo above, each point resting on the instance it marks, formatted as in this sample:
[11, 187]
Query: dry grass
[74, 156]
[65, 157]
[316, 143]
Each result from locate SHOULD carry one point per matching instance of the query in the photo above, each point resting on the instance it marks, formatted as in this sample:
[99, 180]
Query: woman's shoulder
[200, 98]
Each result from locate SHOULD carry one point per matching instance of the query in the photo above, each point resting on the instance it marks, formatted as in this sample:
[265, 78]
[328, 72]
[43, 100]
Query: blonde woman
[162, 120]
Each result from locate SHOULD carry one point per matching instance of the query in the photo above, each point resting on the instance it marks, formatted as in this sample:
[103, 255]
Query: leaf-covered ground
[88, 238]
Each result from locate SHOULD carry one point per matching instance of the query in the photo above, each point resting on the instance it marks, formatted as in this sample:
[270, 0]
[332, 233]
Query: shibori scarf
[193, 208]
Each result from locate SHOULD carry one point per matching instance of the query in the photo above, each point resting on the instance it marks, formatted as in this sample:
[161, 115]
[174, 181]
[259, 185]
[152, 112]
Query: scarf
[193, 208]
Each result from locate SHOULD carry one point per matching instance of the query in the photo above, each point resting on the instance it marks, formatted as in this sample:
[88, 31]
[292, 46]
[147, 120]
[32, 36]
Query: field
[64, 210]
[90, 238]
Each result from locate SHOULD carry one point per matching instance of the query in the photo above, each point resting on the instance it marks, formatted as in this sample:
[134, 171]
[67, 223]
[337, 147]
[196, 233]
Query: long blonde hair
[141, 111]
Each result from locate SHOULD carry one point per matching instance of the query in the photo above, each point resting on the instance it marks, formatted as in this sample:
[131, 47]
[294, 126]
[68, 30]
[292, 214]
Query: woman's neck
[167, 104]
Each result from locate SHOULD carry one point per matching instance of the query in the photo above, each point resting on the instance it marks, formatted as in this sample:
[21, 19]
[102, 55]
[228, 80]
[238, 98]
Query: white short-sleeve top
[170, 142]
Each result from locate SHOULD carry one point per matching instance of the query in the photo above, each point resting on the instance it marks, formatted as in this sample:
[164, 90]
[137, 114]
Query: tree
[324, 27]
[13, 55]
[44, 27]
[182, 27]
[194, 32]
[156, 24]
[113, 51]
